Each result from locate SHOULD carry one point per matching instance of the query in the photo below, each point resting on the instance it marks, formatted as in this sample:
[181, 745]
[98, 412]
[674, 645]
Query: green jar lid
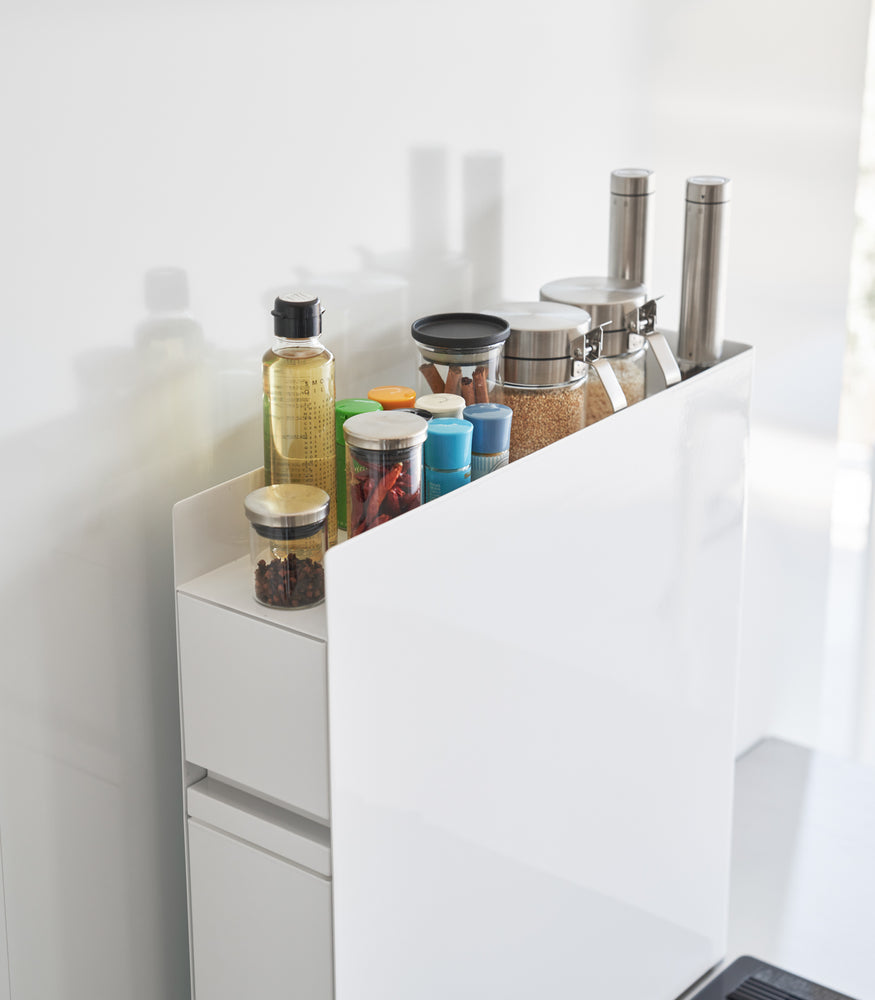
[346, 408]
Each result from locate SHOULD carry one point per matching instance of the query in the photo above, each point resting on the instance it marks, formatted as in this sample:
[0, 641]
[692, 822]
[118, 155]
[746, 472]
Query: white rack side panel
[531, 689]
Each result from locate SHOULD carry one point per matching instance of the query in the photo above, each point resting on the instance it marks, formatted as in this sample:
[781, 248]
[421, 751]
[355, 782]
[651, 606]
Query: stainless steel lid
[607, 300]
[633, 181]
[287, 505]
[385, 430]
[547, 342]
[709, 190]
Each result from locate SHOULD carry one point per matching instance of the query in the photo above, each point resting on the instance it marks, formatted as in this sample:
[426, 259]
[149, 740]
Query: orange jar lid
[393, 397]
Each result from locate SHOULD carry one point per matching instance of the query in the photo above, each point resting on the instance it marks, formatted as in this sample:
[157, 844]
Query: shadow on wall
[92, 813]
[89, 713]
[368, 312]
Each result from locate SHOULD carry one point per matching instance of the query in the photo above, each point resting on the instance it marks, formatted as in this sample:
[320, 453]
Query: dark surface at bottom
[750, 979]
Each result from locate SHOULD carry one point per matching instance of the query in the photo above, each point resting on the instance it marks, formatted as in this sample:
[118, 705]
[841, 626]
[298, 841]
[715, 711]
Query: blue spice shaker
[491, 441]
[446, 456]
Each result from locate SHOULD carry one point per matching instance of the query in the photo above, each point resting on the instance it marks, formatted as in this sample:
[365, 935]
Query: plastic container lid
[448, 445]
[297, 316]
[393, 397]
[385, 430]
[491, 422]
[460, 331]
[287, 505]
[441, 404]
[425, 414]
[346, 408]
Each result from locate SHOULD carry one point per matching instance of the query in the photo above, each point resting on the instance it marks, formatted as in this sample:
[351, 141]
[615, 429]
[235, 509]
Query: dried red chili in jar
[288, 539]
[383, 467]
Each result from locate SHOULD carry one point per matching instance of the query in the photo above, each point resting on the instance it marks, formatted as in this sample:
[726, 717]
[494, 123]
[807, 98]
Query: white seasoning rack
[498, 761]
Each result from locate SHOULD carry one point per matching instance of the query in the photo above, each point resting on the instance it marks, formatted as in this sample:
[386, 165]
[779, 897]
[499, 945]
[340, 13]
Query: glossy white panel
[253, 704]
[208, 531]
[532, 772]
[261, 927]
[804, 827]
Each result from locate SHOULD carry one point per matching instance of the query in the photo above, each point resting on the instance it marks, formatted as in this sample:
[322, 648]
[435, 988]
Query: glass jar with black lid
[460, 354]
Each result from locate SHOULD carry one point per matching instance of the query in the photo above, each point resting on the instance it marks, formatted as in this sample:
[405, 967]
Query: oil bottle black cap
[297, 315]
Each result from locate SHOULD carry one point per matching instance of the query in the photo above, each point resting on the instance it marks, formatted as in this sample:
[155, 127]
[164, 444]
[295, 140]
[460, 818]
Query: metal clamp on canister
[610, 302]
[603, 369]
[643, 322]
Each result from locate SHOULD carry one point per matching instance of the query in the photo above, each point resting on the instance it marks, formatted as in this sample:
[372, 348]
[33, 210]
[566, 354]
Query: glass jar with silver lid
[383, 467]
[288, 538]
[548, 359]
[626, 318]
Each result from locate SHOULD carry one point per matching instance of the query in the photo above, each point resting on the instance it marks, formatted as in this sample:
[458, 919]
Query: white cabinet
[254, 703]
[511, 780]
[261, 925]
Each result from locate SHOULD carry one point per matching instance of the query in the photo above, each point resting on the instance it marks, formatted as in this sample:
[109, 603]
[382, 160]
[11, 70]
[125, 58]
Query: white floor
[847, 722]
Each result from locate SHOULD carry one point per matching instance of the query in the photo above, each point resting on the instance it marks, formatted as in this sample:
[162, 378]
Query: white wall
[339, 145]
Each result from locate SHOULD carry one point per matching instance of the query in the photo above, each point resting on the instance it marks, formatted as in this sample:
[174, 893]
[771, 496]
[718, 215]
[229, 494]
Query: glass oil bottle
[298, 377]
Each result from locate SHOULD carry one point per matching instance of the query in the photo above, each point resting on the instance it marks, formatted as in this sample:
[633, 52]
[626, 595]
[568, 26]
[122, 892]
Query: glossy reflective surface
[803, 829]
[531, 774]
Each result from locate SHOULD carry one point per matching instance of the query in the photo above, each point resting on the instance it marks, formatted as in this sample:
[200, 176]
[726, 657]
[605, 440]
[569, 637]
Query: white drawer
[265, 825]
[260, 926]
[254, 704]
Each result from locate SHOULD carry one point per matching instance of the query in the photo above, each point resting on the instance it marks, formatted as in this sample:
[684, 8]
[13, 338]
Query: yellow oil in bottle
[299, 418]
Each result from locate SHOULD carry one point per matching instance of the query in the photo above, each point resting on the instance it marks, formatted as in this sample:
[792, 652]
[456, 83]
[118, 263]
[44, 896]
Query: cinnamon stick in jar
[481, 391]
[461, 345]
[432, 376]
[466, 390]
[454, 380]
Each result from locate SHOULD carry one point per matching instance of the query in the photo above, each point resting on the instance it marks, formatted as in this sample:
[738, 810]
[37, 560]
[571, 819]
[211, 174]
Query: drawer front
[260, 927]
[254, 704]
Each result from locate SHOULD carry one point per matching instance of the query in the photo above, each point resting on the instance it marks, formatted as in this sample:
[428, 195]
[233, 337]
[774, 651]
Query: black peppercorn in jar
[288, 539]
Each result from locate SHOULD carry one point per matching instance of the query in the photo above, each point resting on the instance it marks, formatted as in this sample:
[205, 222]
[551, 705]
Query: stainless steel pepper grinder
[703, 284]
[631, 224]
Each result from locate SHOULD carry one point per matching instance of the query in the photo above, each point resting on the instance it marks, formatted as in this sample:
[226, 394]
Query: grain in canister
[545, 372]
[630, 375]
[543, 415]
[611, 302]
